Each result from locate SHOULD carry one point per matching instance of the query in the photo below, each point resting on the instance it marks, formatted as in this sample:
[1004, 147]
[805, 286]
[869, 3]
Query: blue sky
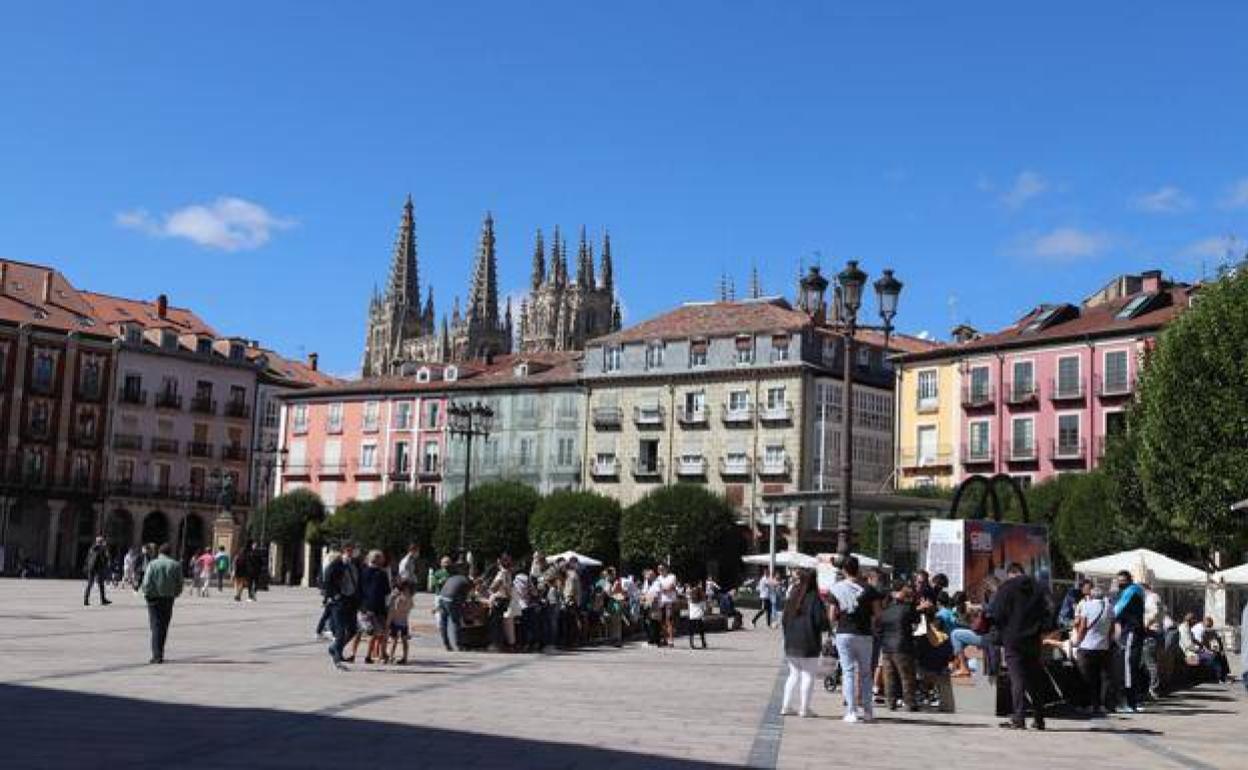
[251, 159]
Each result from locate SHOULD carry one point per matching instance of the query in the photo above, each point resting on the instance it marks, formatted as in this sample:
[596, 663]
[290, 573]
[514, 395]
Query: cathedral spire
[584, 263]
[429, 320]
[404, 286]
[558, 266]
[608, 270]
[756, 287]
[483, 299]
[539, 262]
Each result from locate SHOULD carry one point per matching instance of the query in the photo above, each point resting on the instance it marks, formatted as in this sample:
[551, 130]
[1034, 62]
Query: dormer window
[697, 353]
[451, 373]
[236, 351]
[521, 370]
[422, 374]
[780, 347]
[133, 333]
[745, 350]
[203, 346]
[168, 339]
[611, 359]
[654, 355]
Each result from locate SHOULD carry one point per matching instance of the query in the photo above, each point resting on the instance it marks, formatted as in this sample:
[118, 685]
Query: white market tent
[1163, 569]
[1235, 576]
[786, 559]
[584, 561]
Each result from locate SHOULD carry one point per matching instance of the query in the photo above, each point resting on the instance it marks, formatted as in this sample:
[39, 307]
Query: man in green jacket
[162, 583]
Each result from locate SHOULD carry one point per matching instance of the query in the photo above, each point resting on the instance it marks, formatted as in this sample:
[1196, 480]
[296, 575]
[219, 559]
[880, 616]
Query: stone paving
[247, 685]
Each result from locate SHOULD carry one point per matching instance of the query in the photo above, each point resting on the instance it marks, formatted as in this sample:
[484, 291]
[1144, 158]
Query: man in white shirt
[409, 564]
[766, 596]
[667, 603]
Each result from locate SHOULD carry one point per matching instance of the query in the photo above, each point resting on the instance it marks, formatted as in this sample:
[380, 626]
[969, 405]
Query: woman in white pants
[856, 608]
[804, 621]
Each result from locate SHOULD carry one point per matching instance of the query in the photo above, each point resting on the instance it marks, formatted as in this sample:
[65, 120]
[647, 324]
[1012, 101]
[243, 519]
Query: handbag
[935, 636]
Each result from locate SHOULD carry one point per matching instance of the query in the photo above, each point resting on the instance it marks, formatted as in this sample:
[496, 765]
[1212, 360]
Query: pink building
[1043, 396]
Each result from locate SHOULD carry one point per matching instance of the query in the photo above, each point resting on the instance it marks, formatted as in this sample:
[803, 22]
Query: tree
[394, 521]
[1192, 422]
[584, 522]
[1086, 523]
[686, 526]
[497, 522]
[284, 519]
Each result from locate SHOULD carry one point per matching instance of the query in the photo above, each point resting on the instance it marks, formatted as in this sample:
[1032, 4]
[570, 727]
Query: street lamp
[468, 421]
[847, 302]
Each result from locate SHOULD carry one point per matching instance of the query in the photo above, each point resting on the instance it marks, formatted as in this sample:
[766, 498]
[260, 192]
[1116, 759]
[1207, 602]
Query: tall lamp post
[468, 421]
[846, 303]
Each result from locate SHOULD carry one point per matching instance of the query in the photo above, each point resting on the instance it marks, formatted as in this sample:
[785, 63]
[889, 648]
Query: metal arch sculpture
[990, 487]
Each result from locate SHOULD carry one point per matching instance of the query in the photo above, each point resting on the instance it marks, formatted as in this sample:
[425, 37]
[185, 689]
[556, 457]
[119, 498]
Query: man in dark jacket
[1020, 613]
[342, 593]
[96, 569]
[247, 568]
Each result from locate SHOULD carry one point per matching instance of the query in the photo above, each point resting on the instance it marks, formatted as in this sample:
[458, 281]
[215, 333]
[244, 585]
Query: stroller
[830, 665]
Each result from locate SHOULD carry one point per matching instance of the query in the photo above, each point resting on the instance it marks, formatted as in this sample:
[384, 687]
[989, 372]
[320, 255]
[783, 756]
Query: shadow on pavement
[57, 728]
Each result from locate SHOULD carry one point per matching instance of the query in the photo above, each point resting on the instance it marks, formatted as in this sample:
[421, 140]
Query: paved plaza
[247, 685]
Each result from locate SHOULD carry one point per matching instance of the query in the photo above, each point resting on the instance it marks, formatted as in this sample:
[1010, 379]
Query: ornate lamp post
[468, 421]
[847, 302]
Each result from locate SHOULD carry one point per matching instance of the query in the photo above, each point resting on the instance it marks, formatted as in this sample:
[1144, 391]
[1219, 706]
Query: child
[399, 607]
[935, 653]
[697, 613]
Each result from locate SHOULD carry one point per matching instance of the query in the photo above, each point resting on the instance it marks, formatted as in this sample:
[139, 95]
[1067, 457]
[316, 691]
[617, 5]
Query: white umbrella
[1235, 576]
[1163, 569]
[584, 561]
[787, 559]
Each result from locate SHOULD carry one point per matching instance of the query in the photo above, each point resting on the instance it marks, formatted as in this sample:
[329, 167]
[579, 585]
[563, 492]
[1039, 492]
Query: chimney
[1151, 281]
[47, 287]
[162, 305]
[4, 277]
[312, 359]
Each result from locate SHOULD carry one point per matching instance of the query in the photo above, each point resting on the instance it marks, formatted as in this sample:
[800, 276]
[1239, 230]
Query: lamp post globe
[851, 281]
[887, 292]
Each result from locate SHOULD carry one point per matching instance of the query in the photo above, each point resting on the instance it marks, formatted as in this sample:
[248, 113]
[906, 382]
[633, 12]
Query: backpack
[223, 562]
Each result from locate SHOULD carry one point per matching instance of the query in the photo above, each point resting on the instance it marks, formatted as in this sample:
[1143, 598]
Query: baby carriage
[829, 665]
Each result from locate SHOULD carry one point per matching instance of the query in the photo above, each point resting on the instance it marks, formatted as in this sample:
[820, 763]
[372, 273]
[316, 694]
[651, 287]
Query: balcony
[1022, 453]
[43, 387]
[977, 455]
[977, 396]
[778, 412]
[608, 416]
[367, 471]
[401, 421]
[89, 391]
[370, 425]
[36, 431]
[429, 470]
[775, 466]
[132, 396]
[648, 416]
[333, 426]
[400, 471]
[234, 453]
[1066, 391]
[299, 427]
[331, 469]
[204, 495]
[914, 458]
[927, 405]
[237, 410]
[84, 440]
[647, 468]
[737, 415]
[691, 418]
[296, 469]
[1021, 393]
[131, 442]
[735, 466]
[203, 405]
[1115, 387]
[603, 468]
[691, 465]
[164, 446]
[168, 400]
[199, 449]
[1067, 449]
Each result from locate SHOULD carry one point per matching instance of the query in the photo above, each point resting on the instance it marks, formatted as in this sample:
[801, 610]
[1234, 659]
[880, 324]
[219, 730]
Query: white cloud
[1236, 195]
[1164, 200]
[1027, 185]
[1063, 244]
[1216, 247]
[228, 223]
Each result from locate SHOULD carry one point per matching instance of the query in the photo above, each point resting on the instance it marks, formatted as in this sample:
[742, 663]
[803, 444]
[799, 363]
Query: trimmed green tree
[285, 520]
[585, 522]
[1192, 422]
[688, 527]
[497, 521]
[394, 521]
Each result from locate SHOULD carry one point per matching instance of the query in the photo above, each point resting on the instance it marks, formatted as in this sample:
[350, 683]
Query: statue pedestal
[225, 532]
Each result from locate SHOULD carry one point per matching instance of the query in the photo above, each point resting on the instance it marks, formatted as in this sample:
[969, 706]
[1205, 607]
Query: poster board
[975, 553]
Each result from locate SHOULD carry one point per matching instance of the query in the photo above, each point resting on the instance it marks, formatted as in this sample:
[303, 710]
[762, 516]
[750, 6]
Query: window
[333, 418]
[1024, 384]
[745, 350]
[422, 374]
[39, 416]
[402, 415]
[526, 452]
[775, 399]
[565, 455]
[1068, 376]
[1116, 371]
[364, 491]
[928, 389]
[780, 347]
[271, 409]
[695, 405]
[132, 389]
[979, 391]
[611, 359]
[697, 353]
[368, 456]
[864, 357]
[44, 370]
[199, 477]
[123, 471]
[432, 414]
[648, 456]
[1115, 424]
[299, 419]
[90, 383]
[604, 463]
[927, 445]
[429, 463]
[773, 456]
[371, 410]
[329, 493]
[86, 423]
[739, 401]
[402, 457]
[1024, 439]
[978, 448]
[203, 390]
[654, 355]
[162, 475]
[1068, 434]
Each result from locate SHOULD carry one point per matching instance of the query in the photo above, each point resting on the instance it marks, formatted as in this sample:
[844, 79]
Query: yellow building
[928, 418]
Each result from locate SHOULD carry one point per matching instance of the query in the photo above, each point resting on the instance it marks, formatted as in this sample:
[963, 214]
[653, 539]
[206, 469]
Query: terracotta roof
[1098, 321]
[713, 319]
[296, 372]
[897, 342]
[119, 310]
[551, 368]
[22, 300]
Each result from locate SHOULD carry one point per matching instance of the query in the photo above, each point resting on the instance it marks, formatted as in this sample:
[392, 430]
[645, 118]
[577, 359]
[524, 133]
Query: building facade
[56, 371]
[1041, 397]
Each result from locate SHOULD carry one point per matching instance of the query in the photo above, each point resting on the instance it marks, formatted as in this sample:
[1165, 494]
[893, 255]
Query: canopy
[1235, 576]
[584, 561]
[788, 559]
[1163, 569]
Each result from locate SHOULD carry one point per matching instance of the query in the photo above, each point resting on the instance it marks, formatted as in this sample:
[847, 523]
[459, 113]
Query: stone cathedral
[559, 313]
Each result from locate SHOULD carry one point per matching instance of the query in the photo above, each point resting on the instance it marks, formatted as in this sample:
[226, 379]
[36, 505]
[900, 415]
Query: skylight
[1136, 306]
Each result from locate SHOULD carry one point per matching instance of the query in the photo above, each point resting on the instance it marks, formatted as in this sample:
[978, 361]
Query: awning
[1163, 569]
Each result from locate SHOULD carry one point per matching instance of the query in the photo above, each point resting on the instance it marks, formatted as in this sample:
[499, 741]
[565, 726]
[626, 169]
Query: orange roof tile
[714, 319]
[119, 310]
[22, 300]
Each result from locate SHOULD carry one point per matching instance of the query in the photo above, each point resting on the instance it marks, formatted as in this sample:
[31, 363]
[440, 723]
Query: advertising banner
[975, 553]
